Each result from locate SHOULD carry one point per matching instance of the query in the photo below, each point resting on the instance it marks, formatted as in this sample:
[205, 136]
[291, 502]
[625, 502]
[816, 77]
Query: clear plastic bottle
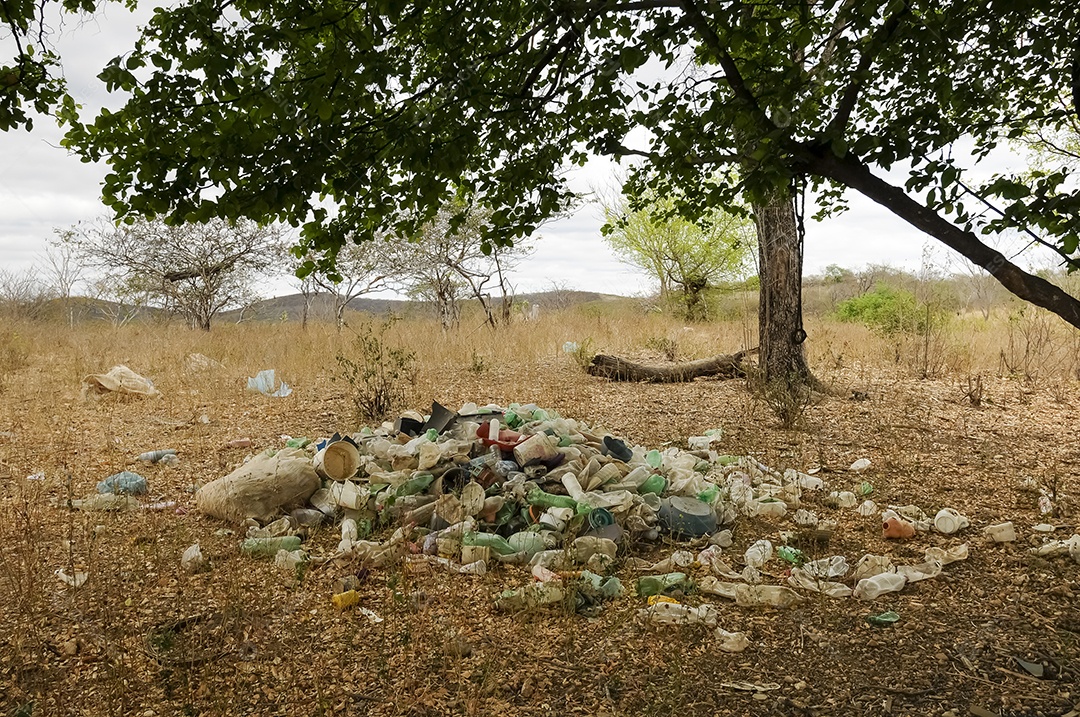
[766, 596]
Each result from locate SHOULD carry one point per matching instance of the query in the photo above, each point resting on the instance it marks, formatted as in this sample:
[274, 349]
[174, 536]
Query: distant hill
[291, 307]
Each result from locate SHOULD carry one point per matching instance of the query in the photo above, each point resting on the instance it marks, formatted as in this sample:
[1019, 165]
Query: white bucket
[337, 461]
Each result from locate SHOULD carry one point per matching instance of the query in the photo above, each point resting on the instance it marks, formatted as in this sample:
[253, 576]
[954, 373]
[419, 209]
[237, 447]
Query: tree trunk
[617, 369]
[780, 330]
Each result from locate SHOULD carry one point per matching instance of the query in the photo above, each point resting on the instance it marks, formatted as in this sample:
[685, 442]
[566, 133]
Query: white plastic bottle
[880, 584]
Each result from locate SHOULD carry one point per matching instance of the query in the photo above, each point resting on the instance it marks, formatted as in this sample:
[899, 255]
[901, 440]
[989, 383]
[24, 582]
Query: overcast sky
[43, 188]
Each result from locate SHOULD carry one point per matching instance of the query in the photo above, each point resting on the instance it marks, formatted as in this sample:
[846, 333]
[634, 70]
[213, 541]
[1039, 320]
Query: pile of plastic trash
[463, 491]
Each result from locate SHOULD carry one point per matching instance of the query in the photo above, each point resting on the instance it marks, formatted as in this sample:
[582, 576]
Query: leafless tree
[361, 267]
[448, 264]
[22, 294]
[198, 270]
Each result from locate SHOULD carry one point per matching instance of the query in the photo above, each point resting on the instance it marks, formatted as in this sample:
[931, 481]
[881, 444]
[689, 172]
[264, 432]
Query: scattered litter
[264, 382]
[192, 560]
[860, 465]
[120, 380]
[884, 619]
[124, 482]
[198, 362]
[77, 579]
[36, 476]
[1001, 532]
[157, 456]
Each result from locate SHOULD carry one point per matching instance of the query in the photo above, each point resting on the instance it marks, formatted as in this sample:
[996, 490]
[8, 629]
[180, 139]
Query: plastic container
[873, 587]
[536, 496]
[585, 547]
[667, 613]
[657, 584]
[948, 521]
[337, 461]
[418, 483]
[268, 547]
[766, 596]
[758, 554]
[155, 456]
[123, 483]
[535, 595]
[655, 483]
[687, 516]
[897, 529]
[497, 543]
[1001, 533]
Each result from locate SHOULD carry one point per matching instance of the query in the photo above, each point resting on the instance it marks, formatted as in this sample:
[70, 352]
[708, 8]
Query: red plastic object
[507, 438]
[897, 529]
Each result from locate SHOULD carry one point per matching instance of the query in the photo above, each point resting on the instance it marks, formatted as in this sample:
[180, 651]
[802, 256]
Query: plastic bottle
[414, 485]
[880, 584]
[667, 613]
[268, 547]
[155, 456]
[536, 496]
[766, 596]
[758, 554]
[791, 555]
[535, 595]
[655, 483]
[497, 543]
[656, 584]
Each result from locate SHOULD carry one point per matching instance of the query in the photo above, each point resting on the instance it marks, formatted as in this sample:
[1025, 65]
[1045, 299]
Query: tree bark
[780, 330]
[617, 369]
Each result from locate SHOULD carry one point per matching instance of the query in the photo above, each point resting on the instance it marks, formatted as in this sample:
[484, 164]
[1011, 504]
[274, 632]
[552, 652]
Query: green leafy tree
[279, 108]
[686, 258]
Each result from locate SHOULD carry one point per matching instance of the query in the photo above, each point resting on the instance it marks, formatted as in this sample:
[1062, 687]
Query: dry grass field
[143, 637]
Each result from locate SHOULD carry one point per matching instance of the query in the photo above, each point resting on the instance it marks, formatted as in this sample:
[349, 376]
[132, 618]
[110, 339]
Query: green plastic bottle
[268, 547]
[655, 483]
[414, 485]
[489, 540]
[537, 496]
[657, 584]
[653, 458]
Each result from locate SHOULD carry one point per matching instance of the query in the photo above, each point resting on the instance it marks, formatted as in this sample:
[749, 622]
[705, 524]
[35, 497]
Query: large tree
[272, 108]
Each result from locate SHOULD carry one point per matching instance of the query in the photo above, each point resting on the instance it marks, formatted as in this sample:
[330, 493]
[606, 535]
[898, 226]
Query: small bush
[376, 374]
[885, 309]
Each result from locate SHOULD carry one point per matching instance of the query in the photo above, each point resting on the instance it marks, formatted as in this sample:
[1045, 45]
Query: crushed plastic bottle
[758, 554]
[766, 596]
[873, 587]
[268, 547]
[657, 584]
[667, 613]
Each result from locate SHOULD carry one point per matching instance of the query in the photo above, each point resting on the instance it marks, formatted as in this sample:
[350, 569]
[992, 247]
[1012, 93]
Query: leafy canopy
[355, 117]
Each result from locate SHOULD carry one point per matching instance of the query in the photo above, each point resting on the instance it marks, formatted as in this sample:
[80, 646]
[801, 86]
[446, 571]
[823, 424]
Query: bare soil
[142, 637]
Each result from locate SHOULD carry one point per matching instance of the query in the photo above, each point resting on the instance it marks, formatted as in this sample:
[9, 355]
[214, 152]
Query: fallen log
[619, 369]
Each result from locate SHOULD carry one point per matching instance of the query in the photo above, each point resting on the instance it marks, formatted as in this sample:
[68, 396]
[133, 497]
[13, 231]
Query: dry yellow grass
[264, 644]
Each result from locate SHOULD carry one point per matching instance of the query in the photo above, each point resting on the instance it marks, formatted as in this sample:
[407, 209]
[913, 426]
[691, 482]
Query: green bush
[888, 310]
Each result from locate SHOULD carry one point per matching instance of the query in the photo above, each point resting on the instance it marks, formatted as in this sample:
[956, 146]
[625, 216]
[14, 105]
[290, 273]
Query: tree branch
[850, 96]
[727, 63]
[850, 172]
